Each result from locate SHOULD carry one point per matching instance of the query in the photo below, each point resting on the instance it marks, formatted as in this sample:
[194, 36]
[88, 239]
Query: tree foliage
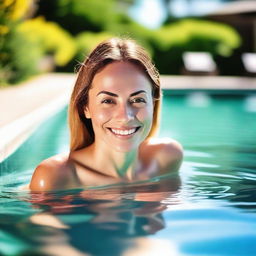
[67, 30]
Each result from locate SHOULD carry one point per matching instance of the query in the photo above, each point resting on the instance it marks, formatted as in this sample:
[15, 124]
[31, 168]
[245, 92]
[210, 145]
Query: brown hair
[114, 49]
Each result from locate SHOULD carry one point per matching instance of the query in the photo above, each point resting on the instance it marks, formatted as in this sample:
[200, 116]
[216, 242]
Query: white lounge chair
[199, 62]
[249, 62]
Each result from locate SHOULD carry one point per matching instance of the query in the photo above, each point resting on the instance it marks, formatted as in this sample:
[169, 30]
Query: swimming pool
[212, 211]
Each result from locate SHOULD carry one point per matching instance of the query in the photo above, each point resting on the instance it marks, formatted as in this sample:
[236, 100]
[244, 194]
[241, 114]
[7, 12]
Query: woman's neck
[113, 163]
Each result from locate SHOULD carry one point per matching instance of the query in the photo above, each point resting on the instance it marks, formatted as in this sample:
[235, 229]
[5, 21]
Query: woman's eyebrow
[138, 92]
[115, 95]
[108, 93]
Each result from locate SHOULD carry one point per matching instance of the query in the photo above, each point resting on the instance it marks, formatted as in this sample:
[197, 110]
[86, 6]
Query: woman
[113, 116]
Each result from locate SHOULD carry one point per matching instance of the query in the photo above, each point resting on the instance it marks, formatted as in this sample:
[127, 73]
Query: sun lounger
[199, 63]
[249, 62]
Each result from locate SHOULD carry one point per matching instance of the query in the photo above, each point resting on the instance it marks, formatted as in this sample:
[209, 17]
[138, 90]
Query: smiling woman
[113, 117]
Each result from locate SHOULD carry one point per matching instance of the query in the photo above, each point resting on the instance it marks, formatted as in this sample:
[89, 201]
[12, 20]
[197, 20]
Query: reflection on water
[110, 221]
[145, 219]
[209, 210]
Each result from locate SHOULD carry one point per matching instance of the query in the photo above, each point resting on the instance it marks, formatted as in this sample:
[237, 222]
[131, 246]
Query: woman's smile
[125, 133]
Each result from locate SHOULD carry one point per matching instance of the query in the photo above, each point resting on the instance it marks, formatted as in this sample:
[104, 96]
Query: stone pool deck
[23, 107]
[17, 101]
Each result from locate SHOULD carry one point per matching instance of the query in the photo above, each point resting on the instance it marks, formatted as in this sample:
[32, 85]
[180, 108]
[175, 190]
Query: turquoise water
[211, 210]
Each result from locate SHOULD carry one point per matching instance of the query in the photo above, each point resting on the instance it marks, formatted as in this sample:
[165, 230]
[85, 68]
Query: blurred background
[38, 36]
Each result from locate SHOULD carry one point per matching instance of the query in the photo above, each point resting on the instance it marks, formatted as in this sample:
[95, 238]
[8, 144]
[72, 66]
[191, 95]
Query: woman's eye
[107, 101]
[138, 100]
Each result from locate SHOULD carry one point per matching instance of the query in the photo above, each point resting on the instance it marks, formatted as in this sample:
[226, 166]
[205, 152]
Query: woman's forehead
[121, 76]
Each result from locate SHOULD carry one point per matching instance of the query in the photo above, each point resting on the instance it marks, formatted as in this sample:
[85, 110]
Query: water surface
[208, 210]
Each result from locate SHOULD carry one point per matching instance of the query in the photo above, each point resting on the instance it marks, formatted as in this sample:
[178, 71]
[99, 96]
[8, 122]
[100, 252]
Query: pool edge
[15, 133]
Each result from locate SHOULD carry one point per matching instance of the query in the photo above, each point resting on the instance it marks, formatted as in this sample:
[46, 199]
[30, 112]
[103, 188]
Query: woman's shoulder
[168, 152]
[51, 174]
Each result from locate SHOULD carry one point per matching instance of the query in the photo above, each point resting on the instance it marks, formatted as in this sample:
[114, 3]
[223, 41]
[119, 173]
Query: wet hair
[109, 51]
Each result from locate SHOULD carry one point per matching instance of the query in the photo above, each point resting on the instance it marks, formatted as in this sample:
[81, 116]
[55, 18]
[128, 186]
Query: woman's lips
[124, 132]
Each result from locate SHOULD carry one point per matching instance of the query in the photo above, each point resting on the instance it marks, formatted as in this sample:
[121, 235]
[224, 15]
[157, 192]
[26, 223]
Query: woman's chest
[87, 176]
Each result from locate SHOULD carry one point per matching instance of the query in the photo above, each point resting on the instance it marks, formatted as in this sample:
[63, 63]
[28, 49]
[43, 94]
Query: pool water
[209, 210]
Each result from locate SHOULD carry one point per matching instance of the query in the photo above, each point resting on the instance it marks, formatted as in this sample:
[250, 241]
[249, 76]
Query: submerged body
[118, 110]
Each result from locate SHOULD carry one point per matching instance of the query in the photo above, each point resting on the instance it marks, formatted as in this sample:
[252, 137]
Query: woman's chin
[125, 148]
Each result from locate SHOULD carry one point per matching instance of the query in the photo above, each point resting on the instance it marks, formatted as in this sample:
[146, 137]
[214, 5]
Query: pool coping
[48, 93]
[211, 84]
[30, 103]
[11, 137]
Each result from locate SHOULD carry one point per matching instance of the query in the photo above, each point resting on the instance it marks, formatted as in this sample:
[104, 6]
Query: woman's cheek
[146, 114]
[103, 115]
[146, 117]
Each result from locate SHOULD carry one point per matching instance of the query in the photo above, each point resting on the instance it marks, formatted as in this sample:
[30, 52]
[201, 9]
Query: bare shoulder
[51, 174]
[168, 152]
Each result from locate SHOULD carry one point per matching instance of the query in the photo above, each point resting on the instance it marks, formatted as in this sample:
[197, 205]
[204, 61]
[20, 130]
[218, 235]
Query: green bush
[25, 44]
[50, 38]
[170, 41]
[198, 35]
[18, 58]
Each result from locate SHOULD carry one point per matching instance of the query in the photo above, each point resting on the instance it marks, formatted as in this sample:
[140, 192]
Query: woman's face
[120, 106]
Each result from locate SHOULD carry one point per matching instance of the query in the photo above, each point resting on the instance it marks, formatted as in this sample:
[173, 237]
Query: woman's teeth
[123, 132]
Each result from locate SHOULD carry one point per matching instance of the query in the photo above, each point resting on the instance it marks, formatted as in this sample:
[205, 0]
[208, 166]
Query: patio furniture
[199, 63]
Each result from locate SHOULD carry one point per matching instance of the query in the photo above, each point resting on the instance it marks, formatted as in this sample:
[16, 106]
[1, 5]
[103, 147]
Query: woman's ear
[87, 113]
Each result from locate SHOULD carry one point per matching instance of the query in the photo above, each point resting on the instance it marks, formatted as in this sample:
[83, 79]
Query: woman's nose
[125, 113]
